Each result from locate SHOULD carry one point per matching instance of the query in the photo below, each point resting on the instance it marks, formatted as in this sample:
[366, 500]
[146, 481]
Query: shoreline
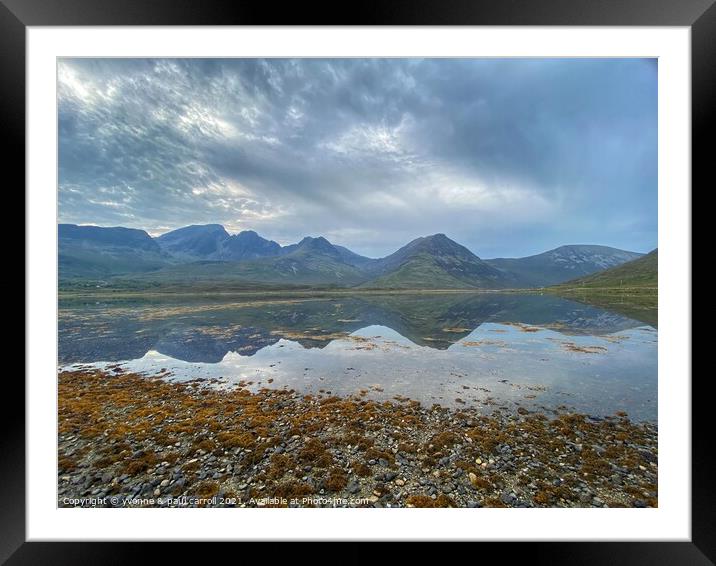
[130, 440]
[65, 294]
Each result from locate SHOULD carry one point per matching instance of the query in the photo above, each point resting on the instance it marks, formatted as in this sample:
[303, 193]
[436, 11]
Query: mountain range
[208, 254]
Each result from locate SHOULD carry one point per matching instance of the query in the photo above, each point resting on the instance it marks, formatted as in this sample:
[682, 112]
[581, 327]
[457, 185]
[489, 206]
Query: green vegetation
[205, 259]
[639, 273]
[561, 264]
[93, 252]
[630, 289]
[276, 272]
[415, 273]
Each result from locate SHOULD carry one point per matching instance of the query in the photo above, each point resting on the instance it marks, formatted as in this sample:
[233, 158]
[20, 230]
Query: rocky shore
[131, 440]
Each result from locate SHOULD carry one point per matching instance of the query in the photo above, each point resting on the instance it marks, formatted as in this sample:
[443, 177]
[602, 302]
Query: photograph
[357, 282]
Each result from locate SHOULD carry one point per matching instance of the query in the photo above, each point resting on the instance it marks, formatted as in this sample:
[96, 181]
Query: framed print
[295, 278]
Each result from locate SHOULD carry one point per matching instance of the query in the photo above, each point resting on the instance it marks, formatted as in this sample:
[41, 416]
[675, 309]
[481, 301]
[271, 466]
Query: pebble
[519, 464]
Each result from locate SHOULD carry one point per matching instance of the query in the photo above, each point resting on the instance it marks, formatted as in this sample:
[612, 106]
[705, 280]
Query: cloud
[508, 156]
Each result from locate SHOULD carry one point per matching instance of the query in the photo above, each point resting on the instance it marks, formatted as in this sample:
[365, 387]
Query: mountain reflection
[206, 330]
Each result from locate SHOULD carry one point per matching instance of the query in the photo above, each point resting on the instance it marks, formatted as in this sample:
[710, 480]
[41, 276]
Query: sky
[509, 157]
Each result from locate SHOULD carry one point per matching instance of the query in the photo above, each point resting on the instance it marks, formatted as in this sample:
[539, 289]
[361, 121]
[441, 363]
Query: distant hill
[641, 272]
[96, 252]
[353, 258]
[213, 242]
[561, 264]
[435, 262]
[193, 242]
[313, 261]
[209, 255]
[247, 245]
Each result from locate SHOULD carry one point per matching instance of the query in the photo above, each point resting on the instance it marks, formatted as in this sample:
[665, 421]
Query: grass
[630, 289]
[91, 289]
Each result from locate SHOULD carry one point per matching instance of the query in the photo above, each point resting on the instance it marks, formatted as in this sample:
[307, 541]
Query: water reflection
[485, 350]
[206, 331]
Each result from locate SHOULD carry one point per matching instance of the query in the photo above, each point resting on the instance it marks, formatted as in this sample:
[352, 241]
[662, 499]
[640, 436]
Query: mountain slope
[213, 242]
[435, 262]
[95, 252]
[314, 261]
[354, 259]
[561, 264]
[247, 245]
[641, 272]
[193, 242]
[630, 289]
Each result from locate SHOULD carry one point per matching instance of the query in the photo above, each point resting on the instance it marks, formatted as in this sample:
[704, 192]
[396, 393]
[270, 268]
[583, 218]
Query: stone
[507, 498]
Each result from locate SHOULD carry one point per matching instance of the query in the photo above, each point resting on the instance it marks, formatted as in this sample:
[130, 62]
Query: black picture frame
[17, 15]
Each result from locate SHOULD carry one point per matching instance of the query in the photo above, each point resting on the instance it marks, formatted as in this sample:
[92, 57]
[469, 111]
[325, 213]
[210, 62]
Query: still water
[490, 351]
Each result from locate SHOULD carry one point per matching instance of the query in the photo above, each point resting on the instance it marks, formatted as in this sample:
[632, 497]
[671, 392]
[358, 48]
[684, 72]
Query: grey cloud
[507, 156]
